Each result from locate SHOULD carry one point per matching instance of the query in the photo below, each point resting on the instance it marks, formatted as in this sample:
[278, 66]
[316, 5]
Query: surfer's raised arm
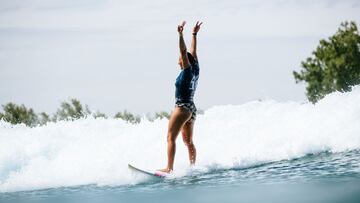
[193, 41]
[182, 46]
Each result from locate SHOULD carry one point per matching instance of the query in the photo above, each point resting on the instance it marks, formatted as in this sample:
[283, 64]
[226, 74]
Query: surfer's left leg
[177, 120]
[187, 135]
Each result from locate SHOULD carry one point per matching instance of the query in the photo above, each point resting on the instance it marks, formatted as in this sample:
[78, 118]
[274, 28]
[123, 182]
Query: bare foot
[165, 170]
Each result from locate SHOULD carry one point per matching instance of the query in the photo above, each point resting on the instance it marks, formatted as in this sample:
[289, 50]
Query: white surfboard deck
[157, 174]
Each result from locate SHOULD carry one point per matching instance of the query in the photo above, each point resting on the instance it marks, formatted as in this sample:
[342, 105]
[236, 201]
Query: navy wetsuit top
[186, 84]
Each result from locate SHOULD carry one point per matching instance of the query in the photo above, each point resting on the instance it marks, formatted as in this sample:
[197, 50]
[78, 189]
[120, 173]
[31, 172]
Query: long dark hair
[191, 58]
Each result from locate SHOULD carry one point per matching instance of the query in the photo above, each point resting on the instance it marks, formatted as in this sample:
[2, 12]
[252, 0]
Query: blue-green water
[323, 177]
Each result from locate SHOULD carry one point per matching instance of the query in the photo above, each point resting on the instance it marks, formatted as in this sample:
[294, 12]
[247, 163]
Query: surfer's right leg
[187, 135]
[177, 120]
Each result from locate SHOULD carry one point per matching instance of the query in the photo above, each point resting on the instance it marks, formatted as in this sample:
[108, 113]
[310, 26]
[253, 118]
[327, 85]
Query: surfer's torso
[186, 83]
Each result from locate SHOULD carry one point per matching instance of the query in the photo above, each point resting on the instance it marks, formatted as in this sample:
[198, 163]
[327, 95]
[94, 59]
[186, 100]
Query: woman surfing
[184, 114]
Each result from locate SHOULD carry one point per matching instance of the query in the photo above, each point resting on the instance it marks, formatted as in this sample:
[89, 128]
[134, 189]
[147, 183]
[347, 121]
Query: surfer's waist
[184, 100]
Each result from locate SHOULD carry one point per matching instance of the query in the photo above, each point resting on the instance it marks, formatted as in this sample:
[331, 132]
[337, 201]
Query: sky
[121, 54]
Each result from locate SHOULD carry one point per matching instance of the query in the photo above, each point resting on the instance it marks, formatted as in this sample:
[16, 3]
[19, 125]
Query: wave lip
[97, 151]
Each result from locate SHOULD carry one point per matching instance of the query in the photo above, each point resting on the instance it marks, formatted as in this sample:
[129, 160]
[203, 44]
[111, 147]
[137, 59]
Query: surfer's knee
[171, 137]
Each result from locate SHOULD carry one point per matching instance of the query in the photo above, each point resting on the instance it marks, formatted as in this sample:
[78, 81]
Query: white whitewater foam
[97, 151]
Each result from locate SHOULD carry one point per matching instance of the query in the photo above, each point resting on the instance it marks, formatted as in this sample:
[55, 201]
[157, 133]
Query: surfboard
[157, 174]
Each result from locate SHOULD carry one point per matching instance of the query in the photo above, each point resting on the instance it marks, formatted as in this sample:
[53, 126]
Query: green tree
[43, 118]
[335, 64]
[71, 111]
[98, 114]
[127, 116]
[16, 114]
[162, 114]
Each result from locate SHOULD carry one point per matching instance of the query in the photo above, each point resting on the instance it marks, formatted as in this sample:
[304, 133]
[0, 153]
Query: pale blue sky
[116, 55]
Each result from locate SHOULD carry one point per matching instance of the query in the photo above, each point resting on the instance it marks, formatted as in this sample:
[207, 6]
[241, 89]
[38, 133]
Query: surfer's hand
[181, 27]
[197, 27]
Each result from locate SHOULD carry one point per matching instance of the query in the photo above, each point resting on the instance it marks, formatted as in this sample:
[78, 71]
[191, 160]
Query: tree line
[68, 110]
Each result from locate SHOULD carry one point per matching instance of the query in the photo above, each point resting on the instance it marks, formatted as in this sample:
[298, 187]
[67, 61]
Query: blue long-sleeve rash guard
[186, 83]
